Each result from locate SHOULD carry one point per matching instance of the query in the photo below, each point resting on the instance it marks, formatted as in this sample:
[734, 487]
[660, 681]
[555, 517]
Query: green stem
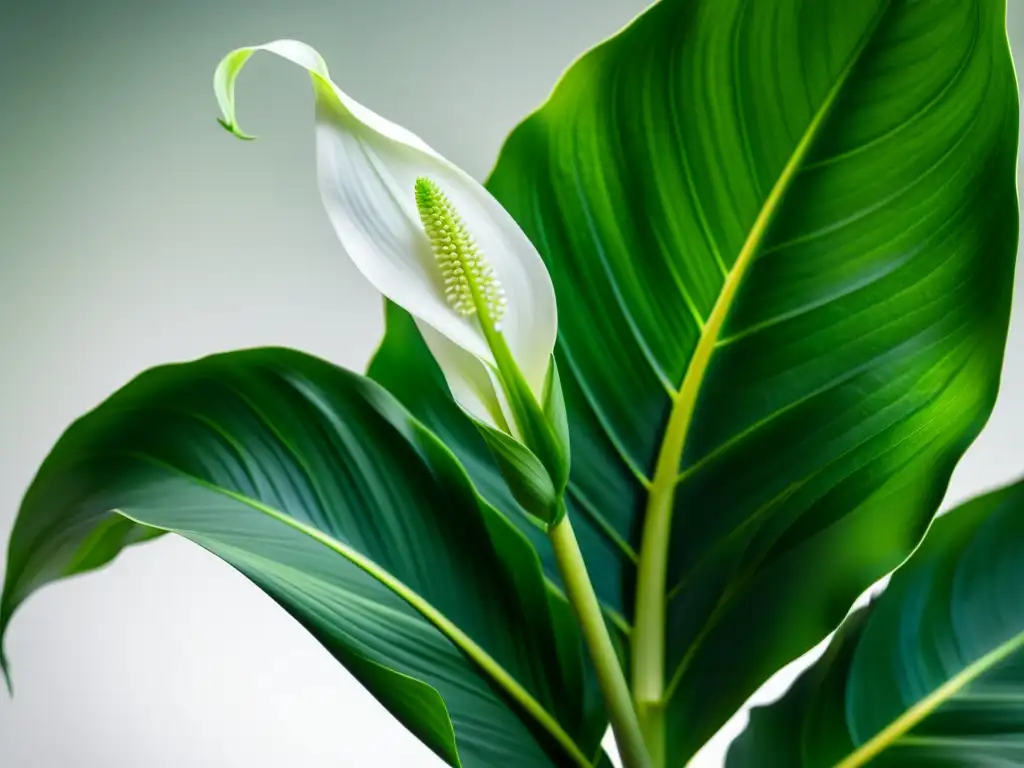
[610, 677]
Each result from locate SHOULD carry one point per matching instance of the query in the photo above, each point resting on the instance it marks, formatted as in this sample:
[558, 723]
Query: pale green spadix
[470, 284]
[473, 289]
[368, 169]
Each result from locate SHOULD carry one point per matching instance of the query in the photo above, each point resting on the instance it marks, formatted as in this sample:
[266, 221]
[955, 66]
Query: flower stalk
[580, 591]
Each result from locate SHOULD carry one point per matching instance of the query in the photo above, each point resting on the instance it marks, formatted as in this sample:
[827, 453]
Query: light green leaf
[932, 673]
[317, 485]
[782, 238]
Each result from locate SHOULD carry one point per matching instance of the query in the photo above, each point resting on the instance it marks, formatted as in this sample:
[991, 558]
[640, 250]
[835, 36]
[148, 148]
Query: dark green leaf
[318, 485]
[931, 674]
[782, 238]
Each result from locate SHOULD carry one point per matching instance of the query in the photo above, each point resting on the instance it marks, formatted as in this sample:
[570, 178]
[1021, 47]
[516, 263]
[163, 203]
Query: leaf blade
[931, 670]
[803, 215]
[318, 486]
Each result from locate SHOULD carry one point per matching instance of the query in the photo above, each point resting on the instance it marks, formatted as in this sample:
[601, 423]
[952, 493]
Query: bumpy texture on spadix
[470, 285]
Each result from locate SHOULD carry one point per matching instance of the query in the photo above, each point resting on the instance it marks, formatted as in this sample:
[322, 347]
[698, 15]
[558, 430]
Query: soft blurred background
[134, 231]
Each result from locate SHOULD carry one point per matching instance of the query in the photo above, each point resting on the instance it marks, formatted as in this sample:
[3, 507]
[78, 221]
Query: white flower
[370, 171]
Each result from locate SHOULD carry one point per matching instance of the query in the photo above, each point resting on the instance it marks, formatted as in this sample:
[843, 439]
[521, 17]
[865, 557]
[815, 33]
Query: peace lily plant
[782, 240]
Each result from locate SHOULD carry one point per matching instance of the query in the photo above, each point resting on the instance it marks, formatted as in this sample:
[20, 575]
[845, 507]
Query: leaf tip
[5, 669]
[234, 130]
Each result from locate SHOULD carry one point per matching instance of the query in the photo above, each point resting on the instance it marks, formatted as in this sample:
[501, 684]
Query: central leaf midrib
[495, 671]
[650, 620]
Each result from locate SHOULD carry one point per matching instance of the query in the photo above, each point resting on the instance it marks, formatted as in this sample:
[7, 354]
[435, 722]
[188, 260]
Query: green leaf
[317, 485]
[932, 673]
[782, 238]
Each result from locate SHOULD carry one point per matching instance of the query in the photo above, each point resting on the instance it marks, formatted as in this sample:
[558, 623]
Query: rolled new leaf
[932, 673]
[528, 480]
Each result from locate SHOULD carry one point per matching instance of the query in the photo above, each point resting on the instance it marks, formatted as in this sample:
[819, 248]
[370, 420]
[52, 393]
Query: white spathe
[367, 168]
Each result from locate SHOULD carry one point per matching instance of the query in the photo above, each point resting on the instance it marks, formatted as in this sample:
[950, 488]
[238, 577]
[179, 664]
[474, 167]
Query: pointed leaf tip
[5, 669]
[235, 131]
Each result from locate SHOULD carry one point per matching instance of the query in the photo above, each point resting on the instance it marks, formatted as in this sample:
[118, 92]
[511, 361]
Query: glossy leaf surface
[317, 485]
[782, 238]
[930, 674]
